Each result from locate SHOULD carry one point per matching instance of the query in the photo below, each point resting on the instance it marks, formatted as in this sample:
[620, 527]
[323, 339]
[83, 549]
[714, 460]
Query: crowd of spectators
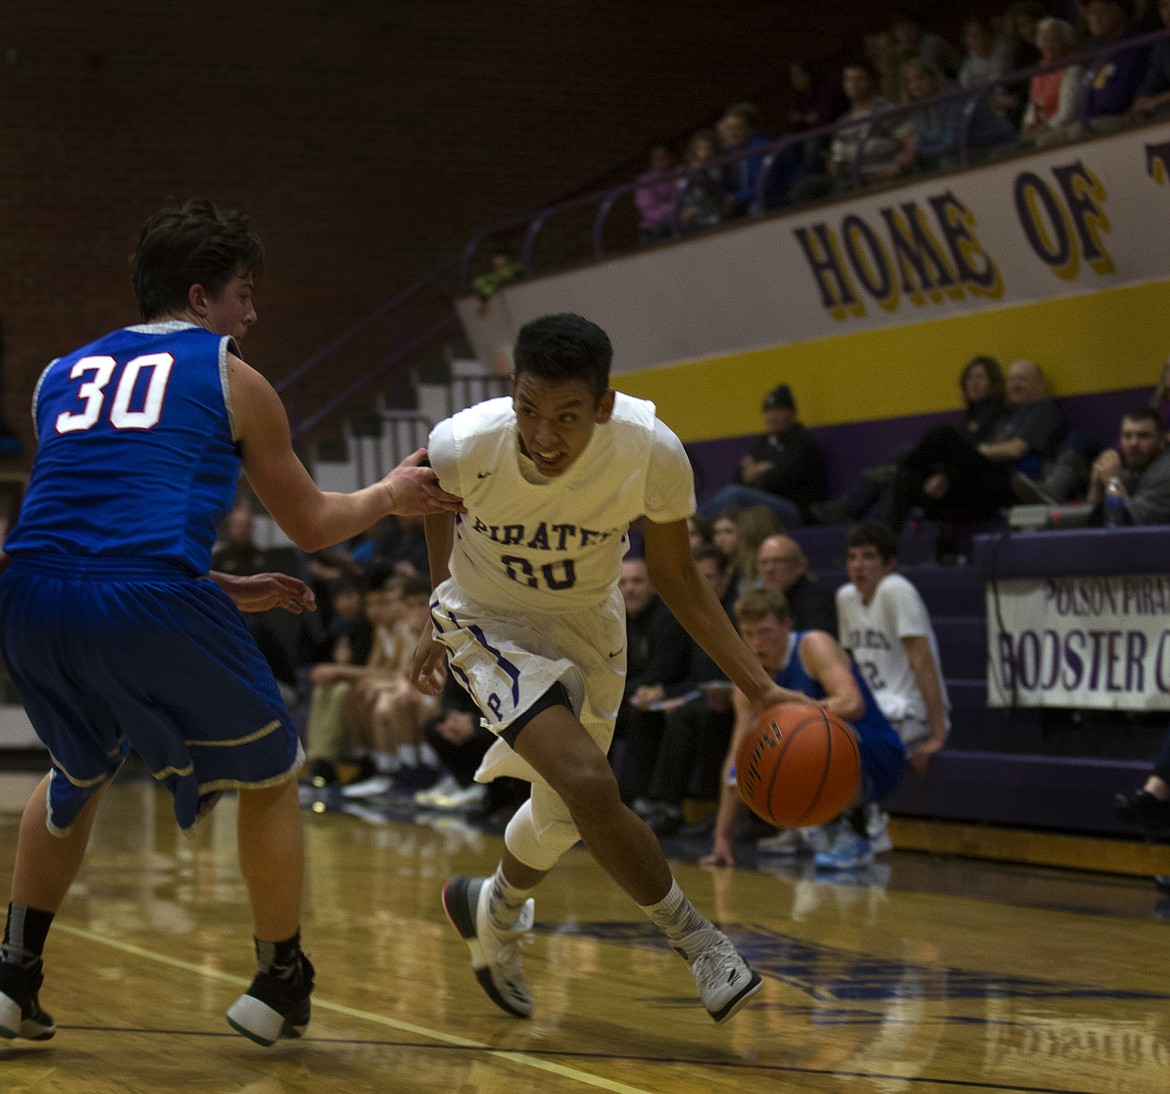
[892, 122]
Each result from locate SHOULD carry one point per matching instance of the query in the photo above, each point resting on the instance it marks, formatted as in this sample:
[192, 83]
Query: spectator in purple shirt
[656, 195]
[1114, 84]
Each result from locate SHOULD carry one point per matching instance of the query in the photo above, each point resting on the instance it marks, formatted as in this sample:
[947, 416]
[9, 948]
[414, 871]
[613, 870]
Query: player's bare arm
[828, 664]
[428, 665]
[313, 518]
[260, 592]
[689, 596]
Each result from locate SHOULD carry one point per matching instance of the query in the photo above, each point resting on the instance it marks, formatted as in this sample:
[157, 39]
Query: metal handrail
[607, 198]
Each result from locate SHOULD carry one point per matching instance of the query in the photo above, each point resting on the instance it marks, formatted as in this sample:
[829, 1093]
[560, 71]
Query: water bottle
[1114, 504]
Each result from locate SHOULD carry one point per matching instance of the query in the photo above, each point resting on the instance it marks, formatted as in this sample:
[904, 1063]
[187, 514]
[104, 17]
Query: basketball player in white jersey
[526, 608]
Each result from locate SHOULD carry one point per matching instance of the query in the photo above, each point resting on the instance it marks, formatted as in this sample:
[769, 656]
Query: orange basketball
[798, 766]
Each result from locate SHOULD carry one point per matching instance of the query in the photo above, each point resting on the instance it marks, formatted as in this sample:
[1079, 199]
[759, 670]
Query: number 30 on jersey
[95, 374]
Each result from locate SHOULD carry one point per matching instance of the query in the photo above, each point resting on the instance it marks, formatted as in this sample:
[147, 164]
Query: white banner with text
[1095, 642]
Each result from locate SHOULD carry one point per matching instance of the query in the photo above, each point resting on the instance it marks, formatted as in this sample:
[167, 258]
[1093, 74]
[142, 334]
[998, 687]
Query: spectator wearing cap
[784, 469]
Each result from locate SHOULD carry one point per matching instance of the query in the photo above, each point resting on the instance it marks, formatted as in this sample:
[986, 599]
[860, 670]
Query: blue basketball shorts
[128, 655]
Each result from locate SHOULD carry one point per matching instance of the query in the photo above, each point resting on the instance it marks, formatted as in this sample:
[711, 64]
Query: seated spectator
[725, 538]
[946, 475]
[699, 532]
[391, 713]
[457, 735]
[701, 203]
[697, 721]
[1141, 463]
[886, 629]
[329, 732]
[286, 641]
[912, 41]
[739, 129]
[813, 103]
[784, 567]
[1153, 93]
[656, 660]
[394, 546]
[988, 55]
[936, 129]
[656, 195]
[1149, 805]
[784, 469]
[1114, 84]
[502, 271]
[981, 384]
[813, 663]
[882, 134]
[1053, 96]
[1021, 24]
[881, 57]
[236, 551]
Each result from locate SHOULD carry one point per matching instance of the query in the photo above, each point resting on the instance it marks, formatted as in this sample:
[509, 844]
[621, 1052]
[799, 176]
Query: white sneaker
[724, 980]
[848, 850]
[495, 954]
[368, 788]
[462, 797]
[877, 828]
[791, 841]
[446, 785]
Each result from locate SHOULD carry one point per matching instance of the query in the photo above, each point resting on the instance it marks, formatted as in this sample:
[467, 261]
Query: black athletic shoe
[20, 1010]
[1142, 808]
[273, 1007]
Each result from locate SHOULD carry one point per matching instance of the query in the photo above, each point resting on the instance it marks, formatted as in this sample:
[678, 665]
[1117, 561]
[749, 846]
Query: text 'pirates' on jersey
[545, 544]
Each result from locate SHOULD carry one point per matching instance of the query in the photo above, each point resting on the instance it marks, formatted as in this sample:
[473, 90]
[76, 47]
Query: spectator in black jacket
[784, 469]
[656, 660]
[784, 567]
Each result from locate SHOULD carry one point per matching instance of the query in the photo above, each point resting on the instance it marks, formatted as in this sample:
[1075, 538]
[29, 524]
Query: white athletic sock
[505, 900]
[675, 915]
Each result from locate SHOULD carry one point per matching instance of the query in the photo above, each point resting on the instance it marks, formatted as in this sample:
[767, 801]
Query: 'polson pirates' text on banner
[1094, 642]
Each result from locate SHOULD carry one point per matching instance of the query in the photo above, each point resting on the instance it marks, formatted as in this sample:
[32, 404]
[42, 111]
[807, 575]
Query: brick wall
[367, 137]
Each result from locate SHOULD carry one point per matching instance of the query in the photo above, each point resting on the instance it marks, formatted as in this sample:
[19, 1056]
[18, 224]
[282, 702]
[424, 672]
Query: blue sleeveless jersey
[883, 758]
[136, 456]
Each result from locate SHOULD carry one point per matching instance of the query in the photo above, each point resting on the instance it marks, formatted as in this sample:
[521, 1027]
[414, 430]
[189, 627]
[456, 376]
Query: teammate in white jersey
[883, 623]
[527, 610]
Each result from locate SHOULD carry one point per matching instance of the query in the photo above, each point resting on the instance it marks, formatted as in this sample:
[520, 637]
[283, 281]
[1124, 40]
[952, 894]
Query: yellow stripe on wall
[1104, 341]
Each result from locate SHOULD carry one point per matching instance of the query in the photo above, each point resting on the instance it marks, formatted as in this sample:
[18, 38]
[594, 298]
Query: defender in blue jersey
[812, 663]
[115, 634]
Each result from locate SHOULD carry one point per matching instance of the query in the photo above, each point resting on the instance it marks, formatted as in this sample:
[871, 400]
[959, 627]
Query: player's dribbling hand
[722, 854]
[428, 666]
[415, 491]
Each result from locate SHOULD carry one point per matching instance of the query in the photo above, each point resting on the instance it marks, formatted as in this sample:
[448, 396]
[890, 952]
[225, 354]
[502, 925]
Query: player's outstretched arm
[827, 663]
[689, 596]
[313, 518]
[259, 592]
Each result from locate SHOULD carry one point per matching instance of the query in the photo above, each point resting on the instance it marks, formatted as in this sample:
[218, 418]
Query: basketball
[798, 766]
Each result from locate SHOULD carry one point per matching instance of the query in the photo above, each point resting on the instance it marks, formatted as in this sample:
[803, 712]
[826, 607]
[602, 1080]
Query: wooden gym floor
[925, 973]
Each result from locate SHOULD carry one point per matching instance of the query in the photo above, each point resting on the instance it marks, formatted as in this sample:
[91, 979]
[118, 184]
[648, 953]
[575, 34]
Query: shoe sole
[458, 904]
[738, 1002]
[259, 1022]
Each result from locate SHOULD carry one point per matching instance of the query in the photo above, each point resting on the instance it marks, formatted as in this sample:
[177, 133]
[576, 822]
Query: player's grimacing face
[556, 419]
[767, 638]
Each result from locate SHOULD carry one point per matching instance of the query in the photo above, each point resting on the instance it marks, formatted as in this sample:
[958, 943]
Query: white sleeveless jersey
[527, 543]
[873, 634]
